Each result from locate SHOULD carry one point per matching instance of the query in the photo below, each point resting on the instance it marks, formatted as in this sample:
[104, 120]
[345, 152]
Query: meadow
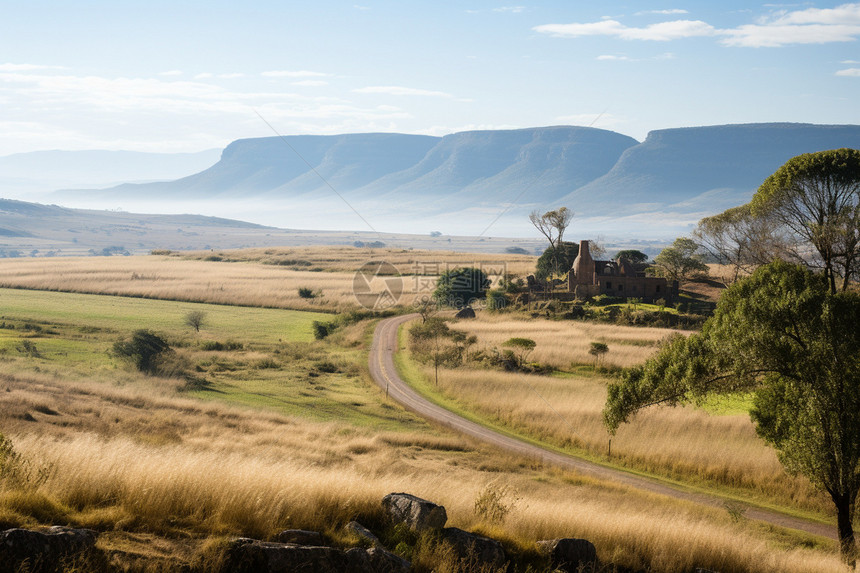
[273, 429]
[252, 277]
[713, 446]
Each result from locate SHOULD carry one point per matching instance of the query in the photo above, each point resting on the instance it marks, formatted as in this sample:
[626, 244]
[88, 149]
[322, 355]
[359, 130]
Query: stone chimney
[583, 265]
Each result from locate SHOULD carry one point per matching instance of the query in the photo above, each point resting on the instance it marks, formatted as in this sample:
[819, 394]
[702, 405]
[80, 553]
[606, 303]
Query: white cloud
[664, 12]
[849, 62]
[204, 76]
[171, 73]
[783, 28]
[293, 74]
[850, 72]
[809, 26]
[662, 31]
[776, 36]
[611, 58]
[231, 76]
[401, 91]
[510, 9]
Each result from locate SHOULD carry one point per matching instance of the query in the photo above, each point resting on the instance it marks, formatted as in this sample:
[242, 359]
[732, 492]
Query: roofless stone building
[588, 278]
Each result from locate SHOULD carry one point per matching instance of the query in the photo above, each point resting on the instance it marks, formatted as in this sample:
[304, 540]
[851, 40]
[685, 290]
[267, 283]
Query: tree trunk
[844, 517]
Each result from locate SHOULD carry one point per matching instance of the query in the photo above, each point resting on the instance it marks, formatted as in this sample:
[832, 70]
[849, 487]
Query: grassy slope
[278, 368]
[417, 378]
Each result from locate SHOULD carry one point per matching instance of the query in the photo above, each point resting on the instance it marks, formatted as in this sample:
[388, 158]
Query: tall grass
[562, 344]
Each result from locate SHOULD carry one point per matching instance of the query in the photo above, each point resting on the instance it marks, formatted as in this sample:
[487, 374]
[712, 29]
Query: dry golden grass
[219, 470]
[564, 343]
[248, 277]
[684, 443]
[349, 259]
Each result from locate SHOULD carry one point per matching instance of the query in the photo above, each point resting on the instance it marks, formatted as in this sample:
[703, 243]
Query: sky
[186, 76]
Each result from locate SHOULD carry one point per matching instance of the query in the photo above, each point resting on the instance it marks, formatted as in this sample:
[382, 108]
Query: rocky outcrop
[419, 514]
[252, 556]
[474, 547]
[363, 533]
[43, 551]
[569, 554]
[300, 537]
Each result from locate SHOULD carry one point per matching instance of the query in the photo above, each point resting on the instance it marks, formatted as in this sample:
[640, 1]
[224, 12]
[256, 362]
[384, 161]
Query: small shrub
[215, 345]
[145, 350]
[305, 292]
[29, 348]
[322, 329]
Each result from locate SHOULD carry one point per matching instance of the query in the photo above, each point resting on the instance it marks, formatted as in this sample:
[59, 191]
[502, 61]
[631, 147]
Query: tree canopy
[145, 350]
[740, 240]
[816, 198]
[632, 255]
[680, 261]
[784, 335]
[461, 286]
[553, 258]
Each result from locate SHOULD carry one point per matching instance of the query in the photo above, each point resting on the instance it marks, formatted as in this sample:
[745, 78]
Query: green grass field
[278, 366]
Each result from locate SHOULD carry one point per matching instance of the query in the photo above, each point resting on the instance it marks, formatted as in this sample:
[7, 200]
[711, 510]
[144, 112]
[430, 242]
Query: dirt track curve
[385, 374]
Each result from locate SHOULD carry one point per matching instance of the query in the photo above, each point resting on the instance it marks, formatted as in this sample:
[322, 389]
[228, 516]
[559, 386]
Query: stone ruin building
[588, 278]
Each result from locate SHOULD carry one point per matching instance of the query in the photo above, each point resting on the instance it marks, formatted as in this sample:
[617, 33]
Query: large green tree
[816, 198]
[680, 261]
[553, 258]
[461, 286]
[784, 335]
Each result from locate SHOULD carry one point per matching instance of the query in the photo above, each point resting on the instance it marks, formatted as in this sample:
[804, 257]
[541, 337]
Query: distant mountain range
[613, 182]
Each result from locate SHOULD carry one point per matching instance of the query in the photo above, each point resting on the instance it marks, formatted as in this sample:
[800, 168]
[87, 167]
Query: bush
[322, 329]
[305, 292]
[146, 350]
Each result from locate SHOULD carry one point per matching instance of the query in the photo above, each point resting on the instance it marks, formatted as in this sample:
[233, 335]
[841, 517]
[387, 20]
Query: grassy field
[713, 447]
[286, 431]
[254, 277]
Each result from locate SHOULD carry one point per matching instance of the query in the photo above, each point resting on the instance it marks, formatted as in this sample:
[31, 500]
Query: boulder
[419, 514]
[252, 556]
[381, 561]
[466, 312]
[569, 554]
[43, 550]
[471, 546]
[300, 537]
[363, 533]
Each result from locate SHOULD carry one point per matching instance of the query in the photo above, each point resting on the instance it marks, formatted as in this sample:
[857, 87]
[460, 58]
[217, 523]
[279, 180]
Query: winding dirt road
[385, 374]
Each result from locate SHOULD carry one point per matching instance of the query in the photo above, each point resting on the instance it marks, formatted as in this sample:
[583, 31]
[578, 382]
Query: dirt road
[385, 374]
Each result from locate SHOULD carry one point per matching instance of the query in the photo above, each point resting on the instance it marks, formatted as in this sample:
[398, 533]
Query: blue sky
[186, 76]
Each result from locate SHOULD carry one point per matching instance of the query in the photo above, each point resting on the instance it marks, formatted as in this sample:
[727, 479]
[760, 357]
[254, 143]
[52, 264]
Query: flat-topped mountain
[661, 185]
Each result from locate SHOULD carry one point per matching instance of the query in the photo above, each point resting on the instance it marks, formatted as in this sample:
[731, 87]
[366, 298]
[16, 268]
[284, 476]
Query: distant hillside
[35, 230]
[43, 171]
[488, 181]
[486, 164]
[706, 168]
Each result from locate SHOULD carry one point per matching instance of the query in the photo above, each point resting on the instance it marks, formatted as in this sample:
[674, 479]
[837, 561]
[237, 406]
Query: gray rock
[43, 551]
[379, 560]
[466, 312]
[252, 556]
[363, 533]
[300, 537]
[471, 546]
[569, 554]
[419, 514]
